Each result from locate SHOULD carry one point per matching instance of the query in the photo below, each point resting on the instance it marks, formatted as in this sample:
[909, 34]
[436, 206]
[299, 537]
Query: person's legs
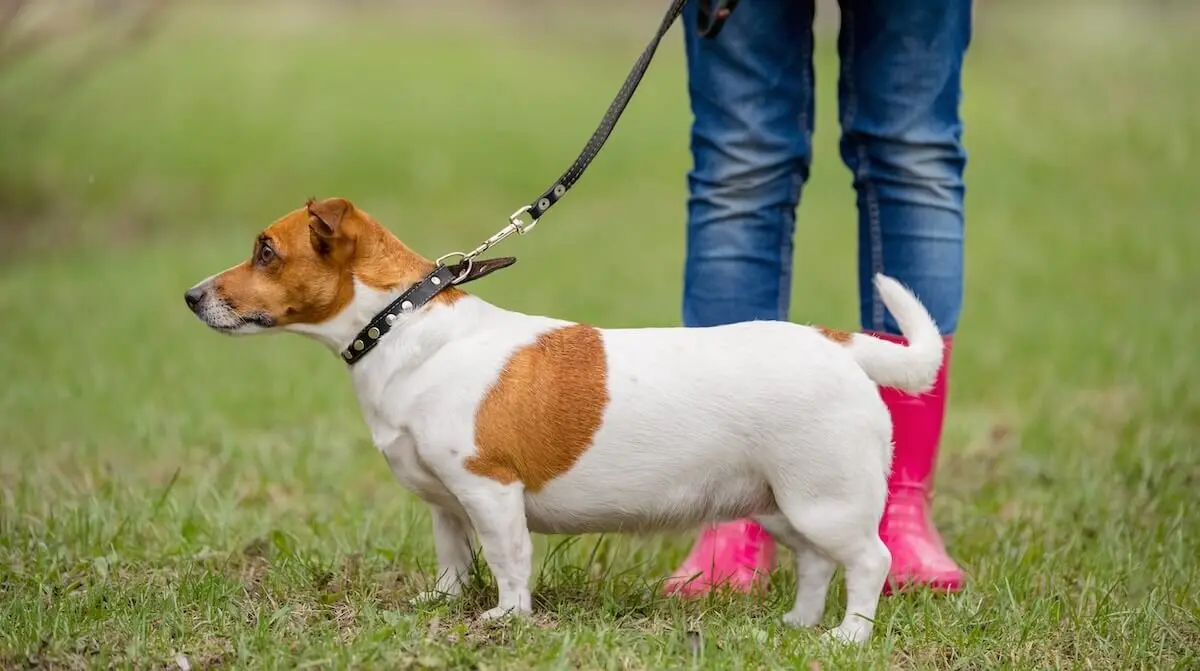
[899, 90]
[751, 98]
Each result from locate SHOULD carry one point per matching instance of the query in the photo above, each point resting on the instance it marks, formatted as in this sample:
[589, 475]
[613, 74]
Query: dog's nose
[193, 297]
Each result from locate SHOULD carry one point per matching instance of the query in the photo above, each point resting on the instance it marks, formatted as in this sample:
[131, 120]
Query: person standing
[899, 91]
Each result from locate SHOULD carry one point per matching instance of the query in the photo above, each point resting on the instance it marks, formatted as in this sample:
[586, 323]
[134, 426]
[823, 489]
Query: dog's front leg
[498, 513]
[452, 540]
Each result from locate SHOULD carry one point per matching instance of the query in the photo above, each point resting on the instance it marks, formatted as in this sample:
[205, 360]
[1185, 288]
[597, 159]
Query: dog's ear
[325, 220]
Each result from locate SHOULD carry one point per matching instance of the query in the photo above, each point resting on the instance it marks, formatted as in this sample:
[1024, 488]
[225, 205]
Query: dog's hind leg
[847, 532]
[866, 570]
[814, 571]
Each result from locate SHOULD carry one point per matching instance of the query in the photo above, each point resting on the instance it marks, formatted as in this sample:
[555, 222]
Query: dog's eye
[265, 254]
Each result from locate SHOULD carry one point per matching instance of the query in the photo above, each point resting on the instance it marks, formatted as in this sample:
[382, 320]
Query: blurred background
[144, 144]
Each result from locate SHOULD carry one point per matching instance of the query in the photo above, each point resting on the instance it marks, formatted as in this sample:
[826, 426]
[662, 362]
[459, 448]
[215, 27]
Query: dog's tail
[912, 367]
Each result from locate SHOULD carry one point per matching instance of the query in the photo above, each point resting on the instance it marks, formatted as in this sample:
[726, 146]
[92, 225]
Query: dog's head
[304, 270]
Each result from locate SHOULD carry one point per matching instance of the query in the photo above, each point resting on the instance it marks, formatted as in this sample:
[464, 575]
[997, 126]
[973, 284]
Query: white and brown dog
[506, 423]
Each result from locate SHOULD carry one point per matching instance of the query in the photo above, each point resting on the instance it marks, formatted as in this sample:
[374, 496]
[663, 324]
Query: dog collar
[441, 278]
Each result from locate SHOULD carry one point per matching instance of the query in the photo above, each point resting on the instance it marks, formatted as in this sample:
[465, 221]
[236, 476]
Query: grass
[165, 492]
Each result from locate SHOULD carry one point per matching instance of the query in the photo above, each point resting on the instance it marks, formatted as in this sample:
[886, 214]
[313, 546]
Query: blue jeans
[751, 91]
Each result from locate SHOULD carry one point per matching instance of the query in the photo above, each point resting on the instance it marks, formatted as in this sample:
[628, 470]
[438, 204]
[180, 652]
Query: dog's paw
[844, 635]
[502, 612]
[801, 620]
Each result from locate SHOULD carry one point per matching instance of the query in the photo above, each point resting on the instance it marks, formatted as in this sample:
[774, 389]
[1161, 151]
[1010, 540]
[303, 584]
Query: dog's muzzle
[219, 315]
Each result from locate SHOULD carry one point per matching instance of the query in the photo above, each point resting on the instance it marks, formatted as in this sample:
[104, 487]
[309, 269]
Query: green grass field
[165, 491]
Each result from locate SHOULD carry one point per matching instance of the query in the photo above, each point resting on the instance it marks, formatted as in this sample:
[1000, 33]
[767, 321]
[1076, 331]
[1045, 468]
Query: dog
[506, 423]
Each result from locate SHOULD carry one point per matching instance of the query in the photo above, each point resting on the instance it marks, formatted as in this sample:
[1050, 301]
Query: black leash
[551, 196]
[712, 16]
[710, 22]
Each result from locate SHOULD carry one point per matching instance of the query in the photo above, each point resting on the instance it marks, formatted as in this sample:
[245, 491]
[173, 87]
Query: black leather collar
[416, 296]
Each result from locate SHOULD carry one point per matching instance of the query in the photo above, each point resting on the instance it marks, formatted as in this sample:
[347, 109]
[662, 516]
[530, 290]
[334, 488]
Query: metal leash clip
[514, 219]
[514, 226]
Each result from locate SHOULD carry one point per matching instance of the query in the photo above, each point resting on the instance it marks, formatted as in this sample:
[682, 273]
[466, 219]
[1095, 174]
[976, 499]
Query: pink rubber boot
[735, 555]
[919, 557]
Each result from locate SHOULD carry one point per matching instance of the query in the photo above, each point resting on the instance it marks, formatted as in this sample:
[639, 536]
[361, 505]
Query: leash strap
[560, 187]
[711, 21]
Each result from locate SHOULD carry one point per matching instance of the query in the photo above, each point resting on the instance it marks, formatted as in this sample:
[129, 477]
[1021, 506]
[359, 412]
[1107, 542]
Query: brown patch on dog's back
[839, 337]
[544, 410]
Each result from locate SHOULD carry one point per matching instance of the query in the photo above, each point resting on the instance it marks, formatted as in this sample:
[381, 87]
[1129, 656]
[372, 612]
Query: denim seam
[876, 235]
[869, 196]
[785, 264]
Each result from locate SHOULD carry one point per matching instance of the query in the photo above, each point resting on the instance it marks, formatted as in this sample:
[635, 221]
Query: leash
[711, 18]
